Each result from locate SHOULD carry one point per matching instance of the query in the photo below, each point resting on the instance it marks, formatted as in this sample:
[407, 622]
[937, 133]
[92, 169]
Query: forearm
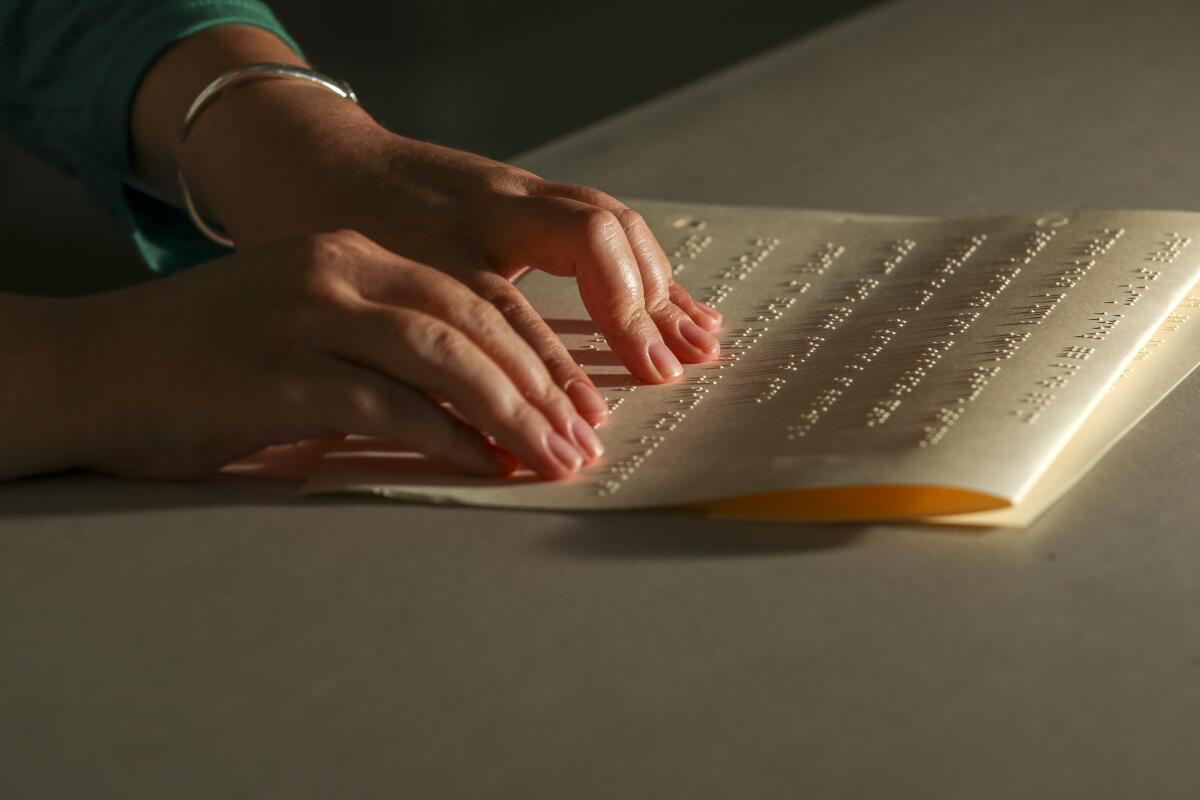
[251, 136]
[44, 419]
[277, 159]
[171, 84]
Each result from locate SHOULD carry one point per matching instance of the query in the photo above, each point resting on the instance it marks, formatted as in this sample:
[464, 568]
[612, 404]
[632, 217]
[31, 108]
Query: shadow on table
[676, 534]
[599, 535]
[621, 535]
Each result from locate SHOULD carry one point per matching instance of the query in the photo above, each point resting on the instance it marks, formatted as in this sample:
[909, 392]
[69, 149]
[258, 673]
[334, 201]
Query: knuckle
[323, 259]
[433, 286]
[554, 354]
[362, 403]
[551, 350]
[634, 320]
[555, 403]
[508, 303]
[403, 323]
[425, 284]
[630, 219]
[600, 226]
[326, 304]
[515, 409]
[406, 328]
[442, 343]
[510, 308]
[662, 307]
[600, 197]
[492, 322]
[491, 333]
[503, 179]
[332, 247]
[586, 194]
[528, 178]
[517, 413]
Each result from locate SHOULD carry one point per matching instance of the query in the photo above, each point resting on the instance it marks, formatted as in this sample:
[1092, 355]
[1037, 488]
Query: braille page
[873, 367]
[1165, 360]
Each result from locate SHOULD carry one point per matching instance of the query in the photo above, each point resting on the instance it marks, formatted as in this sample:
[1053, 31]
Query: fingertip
[707, 316]
[564, 459]
[665, 363]
[699, 339]
[688, 342]
[635, 356]
[587, 400]
[587, 440]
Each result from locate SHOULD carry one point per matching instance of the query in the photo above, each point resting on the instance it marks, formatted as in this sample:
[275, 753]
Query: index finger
[570, 238]
[657, 273]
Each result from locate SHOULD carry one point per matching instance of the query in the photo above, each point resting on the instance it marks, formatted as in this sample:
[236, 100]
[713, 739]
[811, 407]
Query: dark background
[505, 77]
[496, 78]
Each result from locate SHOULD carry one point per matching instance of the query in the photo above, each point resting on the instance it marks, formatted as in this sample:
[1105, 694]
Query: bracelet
[233, 77]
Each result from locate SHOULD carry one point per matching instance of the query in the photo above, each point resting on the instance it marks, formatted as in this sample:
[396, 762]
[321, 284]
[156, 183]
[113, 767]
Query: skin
[371, 293]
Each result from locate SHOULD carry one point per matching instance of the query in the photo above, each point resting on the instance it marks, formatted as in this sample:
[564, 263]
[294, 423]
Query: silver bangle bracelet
[233, 77]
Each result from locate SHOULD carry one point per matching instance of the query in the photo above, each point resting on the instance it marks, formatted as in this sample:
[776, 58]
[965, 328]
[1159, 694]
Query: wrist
[257, 160]
[173, 82]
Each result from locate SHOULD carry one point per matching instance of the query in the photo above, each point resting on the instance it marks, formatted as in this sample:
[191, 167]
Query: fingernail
[587, 400]
[563, 451]
[709, 310]
[664, 361]
[696, 336]
[586, 438]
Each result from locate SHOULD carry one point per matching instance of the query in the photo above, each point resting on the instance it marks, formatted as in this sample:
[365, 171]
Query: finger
[567, 237]
[652, 259]
[689, 341]
[350, 399]
[704, 315]
[686, 334]
[563, 369]
[449, 300]
[425, 352]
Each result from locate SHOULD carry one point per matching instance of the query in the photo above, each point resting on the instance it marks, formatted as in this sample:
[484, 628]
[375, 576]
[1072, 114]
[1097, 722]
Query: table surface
[225, 639]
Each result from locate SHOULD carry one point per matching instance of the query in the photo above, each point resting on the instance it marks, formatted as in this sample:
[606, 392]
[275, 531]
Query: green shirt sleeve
[68, 73]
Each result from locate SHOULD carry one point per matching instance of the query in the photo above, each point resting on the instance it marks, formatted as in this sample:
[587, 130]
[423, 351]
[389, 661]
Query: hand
[325, 334]
[279, 159]
[276, 159]
[485, 223]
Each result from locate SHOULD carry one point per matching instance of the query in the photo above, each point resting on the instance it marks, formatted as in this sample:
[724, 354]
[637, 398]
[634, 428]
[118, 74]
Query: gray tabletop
[224, 639]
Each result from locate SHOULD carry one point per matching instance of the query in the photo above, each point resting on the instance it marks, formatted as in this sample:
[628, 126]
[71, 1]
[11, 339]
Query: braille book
[873, 367]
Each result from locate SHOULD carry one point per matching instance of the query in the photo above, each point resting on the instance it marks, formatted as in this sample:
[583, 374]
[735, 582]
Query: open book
[874, 367]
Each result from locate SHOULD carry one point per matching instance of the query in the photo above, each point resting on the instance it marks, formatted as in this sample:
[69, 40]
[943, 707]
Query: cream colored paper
[1166, 359]
[874, 367]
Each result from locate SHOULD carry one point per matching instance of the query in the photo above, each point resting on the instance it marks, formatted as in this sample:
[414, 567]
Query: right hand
[327, 334]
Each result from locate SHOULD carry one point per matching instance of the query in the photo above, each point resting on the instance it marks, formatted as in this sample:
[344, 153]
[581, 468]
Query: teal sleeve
[68, 73]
